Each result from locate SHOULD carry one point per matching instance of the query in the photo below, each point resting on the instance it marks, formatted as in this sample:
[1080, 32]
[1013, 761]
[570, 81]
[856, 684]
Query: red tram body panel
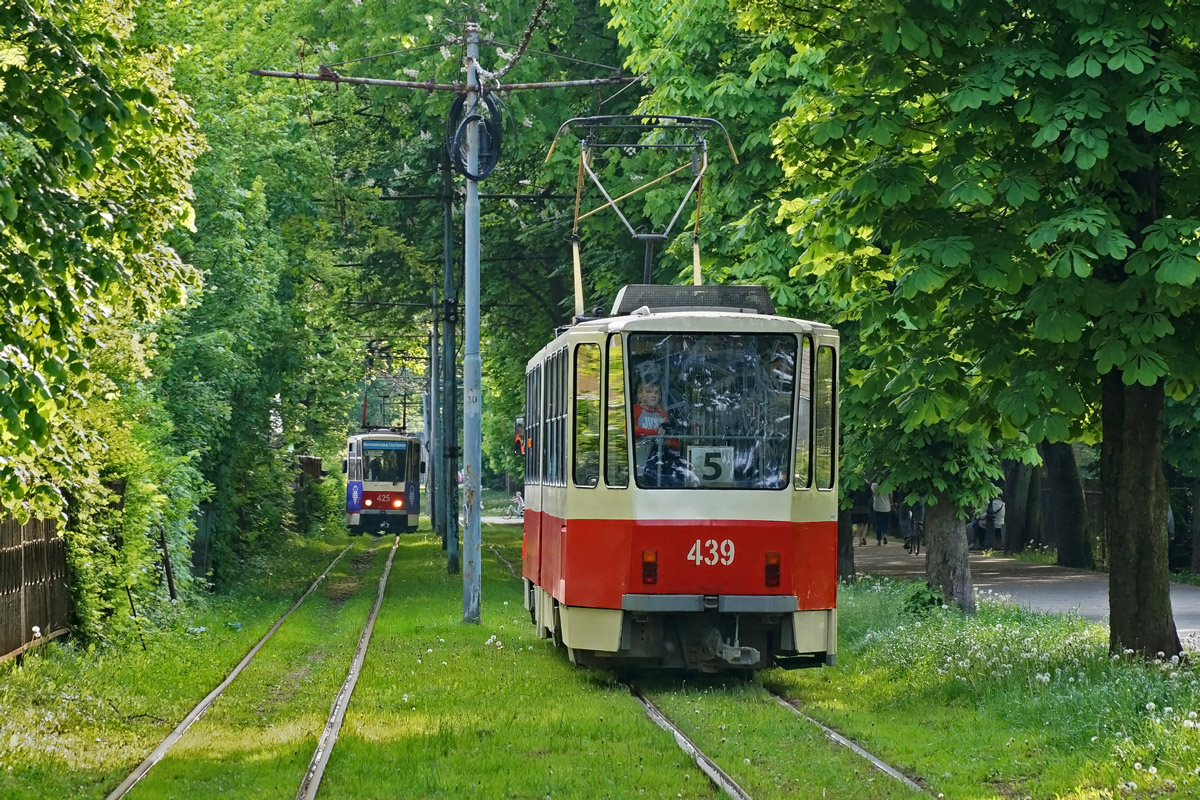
[681, 484]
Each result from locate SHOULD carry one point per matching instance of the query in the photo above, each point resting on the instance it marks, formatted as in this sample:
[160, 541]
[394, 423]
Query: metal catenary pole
[472, 382]
[449, 451]
[472, 372]
[434, 425]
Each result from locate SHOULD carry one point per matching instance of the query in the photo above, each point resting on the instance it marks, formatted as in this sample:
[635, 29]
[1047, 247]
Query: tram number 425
[711, 552]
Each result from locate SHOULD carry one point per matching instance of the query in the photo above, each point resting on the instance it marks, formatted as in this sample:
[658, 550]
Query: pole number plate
[711, 552]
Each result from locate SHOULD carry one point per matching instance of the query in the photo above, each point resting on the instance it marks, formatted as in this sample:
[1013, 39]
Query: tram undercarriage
[661, 634]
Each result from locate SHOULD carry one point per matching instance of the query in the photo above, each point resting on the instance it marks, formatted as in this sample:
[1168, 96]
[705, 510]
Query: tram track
[724, 781]
[311, 780]
[174, 736]
[719, 777]
[848, 743]
[333, 725]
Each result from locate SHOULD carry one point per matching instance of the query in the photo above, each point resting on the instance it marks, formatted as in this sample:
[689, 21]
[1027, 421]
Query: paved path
[1039, 586]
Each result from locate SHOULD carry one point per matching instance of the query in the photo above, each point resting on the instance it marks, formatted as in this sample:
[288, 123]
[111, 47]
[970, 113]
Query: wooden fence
[33, 585]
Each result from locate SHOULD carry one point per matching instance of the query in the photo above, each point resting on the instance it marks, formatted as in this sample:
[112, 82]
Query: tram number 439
[711, 552]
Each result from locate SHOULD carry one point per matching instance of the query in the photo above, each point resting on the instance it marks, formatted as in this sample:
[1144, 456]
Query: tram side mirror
[422, 467]
[343, 466]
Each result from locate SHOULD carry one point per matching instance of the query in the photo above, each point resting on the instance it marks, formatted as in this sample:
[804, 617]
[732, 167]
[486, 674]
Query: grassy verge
[1008, 703]
[74, 723]
[1042, 555]
[258, 738]
[1048, 555]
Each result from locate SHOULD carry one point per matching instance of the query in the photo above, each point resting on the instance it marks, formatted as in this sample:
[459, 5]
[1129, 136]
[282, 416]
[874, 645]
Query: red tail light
[772, 570]
[649, 566]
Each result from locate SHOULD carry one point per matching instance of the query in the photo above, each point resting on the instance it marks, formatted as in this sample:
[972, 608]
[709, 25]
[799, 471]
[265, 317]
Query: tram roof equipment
[669, 297]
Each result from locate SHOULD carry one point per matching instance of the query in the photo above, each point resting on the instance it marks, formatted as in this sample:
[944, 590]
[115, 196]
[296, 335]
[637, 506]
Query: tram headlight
[649, 566]
[368, 502]
[772, 570]
[397, 503]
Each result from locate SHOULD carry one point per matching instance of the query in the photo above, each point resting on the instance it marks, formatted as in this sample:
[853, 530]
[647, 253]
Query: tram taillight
[772, 570]
[649, 566]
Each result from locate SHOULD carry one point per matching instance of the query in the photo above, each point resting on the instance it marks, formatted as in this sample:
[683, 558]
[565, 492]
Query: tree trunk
[1032, 521]
[1016, 492]
[1068, 511]
[845, 545]
[1135, 512]
[946, 565]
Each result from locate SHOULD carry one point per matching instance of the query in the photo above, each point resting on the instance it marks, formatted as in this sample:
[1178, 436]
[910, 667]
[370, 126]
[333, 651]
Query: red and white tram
[697, 528]
[383, 469]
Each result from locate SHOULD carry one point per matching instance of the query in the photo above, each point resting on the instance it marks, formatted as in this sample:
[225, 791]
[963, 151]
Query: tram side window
[587, 415]
[560, 421]
[533, 425]
[616, 441]
[556, 419]
[552, 421]
[826, 396]
[804, 418]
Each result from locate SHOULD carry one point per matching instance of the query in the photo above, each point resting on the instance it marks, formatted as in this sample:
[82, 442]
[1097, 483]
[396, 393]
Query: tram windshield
[384, 461]
[712, 410]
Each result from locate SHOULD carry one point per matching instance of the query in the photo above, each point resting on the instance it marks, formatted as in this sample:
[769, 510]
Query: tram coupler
[738, 656]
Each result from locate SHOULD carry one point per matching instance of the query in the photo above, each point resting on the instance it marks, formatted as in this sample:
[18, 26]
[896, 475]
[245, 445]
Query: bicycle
[913, 543]
[513, 511]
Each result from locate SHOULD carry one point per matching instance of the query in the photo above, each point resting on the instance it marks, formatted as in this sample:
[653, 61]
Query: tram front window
[384, 464]
[712, 410]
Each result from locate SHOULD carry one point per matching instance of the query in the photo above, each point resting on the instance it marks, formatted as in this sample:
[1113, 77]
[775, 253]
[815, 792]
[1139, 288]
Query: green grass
[1042, 555]
[1003, 704]
[1048, 555]
[744, 729]
[1008, 703]
[75, 723]
[494, 501]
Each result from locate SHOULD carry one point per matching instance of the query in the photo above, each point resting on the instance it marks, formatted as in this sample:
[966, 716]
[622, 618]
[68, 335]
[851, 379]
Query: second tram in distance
[383, 469]
[680, 484]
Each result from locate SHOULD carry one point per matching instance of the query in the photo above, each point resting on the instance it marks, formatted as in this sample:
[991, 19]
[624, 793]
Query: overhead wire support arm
[329, 76]
[429, 86]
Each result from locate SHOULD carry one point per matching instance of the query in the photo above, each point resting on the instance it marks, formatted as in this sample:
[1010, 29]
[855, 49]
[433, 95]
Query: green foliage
[99, 173]
[922, 599]
[990, 201]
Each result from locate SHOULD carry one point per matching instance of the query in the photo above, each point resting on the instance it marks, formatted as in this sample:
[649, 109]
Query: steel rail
[838, 738]
[718, 776]
[316, 767]
[506, 562]
[174, 736]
